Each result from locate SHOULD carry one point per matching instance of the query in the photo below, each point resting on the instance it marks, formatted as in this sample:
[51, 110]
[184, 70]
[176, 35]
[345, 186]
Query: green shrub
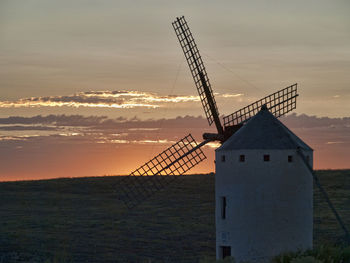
[322, 254]
[286, 257]
[306, 259]
[212, 260]
[346, 254]
[226, 260]
[328, 254]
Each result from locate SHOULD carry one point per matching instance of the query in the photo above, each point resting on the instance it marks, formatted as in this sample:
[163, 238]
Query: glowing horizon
[107, 88]
[78, 146]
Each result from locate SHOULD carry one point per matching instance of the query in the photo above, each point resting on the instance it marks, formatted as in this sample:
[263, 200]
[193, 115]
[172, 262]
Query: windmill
[185, 154]
[182, 156]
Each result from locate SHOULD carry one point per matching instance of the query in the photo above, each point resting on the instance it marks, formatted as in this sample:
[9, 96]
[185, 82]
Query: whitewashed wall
[269, 204]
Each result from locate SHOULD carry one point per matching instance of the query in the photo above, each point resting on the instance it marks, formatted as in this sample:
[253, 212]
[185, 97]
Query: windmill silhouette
[185, 154]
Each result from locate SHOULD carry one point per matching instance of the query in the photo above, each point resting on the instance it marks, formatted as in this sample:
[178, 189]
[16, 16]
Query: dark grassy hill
[82, 220]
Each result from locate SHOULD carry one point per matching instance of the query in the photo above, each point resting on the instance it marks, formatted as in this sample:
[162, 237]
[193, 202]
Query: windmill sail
[149, 178]
[198, 71]
[278, 103]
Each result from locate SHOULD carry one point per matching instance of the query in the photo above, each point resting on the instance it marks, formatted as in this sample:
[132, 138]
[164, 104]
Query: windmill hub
[264, 107]
[214, 137]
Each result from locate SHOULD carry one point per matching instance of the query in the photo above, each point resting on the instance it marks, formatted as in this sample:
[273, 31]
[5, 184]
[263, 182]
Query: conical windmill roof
[264, 131]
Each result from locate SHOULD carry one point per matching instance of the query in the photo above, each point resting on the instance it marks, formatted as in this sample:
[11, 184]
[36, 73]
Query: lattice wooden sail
[148, 178]
[278, 103]
[198, 71]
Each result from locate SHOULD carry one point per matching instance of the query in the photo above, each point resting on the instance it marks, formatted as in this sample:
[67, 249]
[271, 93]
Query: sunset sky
[90, 88]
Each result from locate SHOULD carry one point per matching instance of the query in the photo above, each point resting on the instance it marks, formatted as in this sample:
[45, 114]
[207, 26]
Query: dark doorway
[225, 251]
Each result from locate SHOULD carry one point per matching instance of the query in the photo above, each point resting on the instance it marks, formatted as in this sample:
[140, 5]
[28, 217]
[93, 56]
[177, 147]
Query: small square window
[290, 158]
[266, 157]
[223, 158]
[242, 158]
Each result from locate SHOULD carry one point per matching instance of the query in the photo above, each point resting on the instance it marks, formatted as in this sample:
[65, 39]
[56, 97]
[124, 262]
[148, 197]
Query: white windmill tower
[263, 192]
[281, 185]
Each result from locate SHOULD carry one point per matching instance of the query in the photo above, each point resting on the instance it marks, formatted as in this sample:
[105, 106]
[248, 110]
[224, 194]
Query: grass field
[82, 220]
